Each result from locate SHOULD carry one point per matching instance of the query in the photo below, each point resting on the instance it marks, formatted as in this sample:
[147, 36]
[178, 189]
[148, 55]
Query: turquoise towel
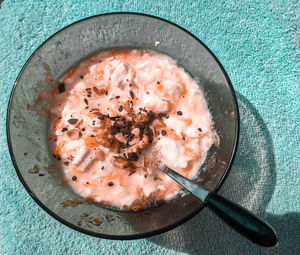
[258, 44]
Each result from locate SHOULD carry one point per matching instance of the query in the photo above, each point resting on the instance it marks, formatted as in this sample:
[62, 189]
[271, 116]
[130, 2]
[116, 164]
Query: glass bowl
[27, 132]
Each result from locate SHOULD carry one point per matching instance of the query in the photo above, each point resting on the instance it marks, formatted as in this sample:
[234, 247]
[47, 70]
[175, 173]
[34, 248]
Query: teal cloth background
[258, 44]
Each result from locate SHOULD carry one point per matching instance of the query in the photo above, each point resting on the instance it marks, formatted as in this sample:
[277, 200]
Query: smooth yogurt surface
[116, 114]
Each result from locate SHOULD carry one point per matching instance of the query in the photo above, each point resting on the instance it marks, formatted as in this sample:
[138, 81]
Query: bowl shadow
[251, 183]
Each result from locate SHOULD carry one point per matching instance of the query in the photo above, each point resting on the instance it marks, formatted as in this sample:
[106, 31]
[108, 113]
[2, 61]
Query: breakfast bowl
[28, 130]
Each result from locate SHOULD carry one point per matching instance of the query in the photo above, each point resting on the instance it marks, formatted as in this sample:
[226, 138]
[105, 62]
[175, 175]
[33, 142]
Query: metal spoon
[237, 217]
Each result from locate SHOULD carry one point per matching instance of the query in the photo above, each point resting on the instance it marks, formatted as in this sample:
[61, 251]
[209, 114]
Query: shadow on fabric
[250, 183]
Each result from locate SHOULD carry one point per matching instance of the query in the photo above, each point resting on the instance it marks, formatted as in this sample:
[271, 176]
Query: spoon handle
[241, 220]
[237, 217]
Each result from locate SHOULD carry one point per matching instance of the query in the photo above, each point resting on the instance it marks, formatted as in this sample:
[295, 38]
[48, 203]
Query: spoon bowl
[27, 131]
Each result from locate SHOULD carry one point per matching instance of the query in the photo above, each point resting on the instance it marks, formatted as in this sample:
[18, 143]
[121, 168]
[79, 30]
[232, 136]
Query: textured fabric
[258, 44]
